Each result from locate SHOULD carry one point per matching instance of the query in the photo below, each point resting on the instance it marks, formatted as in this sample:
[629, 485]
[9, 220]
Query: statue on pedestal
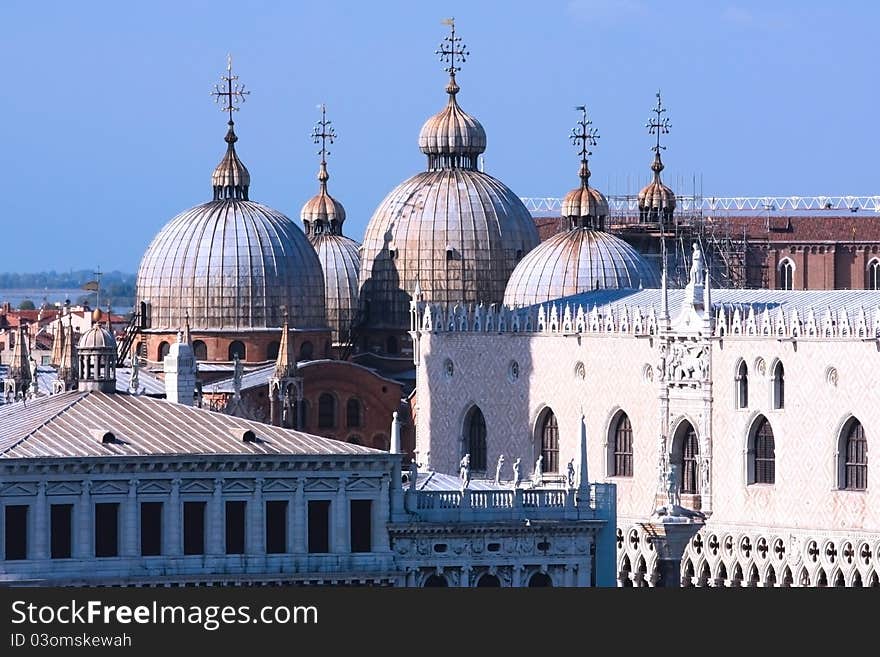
[498, 467]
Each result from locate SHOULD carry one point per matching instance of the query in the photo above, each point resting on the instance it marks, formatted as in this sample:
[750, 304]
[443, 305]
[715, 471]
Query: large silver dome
[578, 260]
[231, 264]
[340, 259]
[455, 231]
[458, 233]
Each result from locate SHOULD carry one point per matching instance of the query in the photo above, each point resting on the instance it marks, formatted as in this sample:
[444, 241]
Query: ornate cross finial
[583, 136]
[659, 125]
[452, 50]
[323, 132]
[232, 93]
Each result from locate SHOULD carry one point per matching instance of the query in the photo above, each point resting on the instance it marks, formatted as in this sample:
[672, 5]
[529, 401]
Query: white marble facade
[665, 358]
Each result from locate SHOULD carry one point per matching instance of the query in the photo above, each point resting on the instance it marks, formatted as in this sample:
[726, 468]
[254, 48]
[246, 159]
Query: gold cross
[232, 93]
[323, 132]
[451, 48]
[583, 136]
[659, 125]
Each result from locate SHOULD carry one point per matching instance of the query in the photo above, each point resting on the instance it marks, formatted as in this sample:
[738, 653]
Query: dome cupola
[453, 229]
[231, 264]
[585, 257]
[656, 200]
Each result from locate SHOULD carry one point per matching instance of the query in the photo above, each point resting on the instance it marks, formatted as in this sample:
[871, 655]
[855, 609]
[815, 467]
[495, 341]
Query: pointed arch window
[742, 385]
[764, 453]
[623, 447]
[872, 275]
[687, 453]
[549, 442]
[778, 385]
[786, 275]
[856, 455]
[475, 439]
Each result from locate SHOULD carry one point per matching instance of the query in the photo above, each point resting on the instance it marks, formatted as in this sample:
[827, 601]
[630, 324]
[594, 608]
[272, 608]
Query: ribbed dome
[577, 261]
[585, 202]
[340, 259]
[656, 200]
[231, 264]
[322, 213]
[231, 179]
[97, 337]
[452, 132]
[459, 233]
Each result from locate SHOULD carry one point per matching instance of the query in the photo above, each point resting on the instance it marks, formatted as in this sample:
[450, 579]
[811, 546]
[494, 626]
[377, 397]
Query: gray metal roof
[65, 425]
[231, 264]
[788, 300]
[577, 260]
[260, 377]
[46, 375]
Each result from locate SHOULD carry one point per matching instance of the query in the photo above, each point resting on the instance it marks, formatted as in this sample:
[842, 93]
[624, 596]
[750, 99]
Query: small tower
[19, 378]
[97, 357]
[585, 207]
[180, 372]
[68, 368]
[285, 386]
[58, 344]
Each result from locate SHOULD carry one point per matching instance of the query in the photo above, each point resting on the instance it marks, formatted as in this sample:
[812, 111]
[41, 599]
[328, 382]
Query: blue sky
[108, 128]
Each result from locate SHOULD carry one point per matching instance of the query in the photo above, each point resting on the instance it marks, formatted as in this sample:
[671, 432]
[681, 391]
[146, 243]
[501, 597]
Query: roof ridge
[49, 419]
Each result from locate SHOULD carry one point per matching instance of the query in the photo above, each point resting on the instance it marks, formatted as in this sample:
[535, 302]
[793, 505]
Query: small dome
[452, 137]
[656, 200]
[585, 202]
[577, 261]
[97, 337]
[340, 258]
[231, 178]
[322, 213]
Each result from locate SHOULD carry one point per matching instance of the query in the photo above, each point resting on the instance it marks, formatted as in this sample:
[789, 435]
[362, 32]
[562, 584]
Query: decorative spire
[582, 137]
[583, 492]
[68, 368]
[19, 365]
[231, 178]
[322, 133]
[285, 364]
[187, 337]
[453, 52]
[658, 125]
[58, 344]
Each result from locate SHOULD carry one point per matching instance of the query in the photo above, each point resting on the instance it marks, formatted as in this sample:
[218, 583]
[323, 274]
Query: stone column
[256, 534]
[171, 531]
[380, 518]
[216, 543]
[339, 534]
[516, 575]
[83, 547]
[582, 576]
[41, 524]
[464, 578]
[130, 546]
[299, 518]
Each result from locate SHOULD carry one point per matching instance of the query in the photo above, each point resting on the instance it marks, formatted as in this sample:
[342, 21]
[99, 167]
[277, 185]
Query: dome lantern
[97, 356]
[452, 138]
[585, 257]
[323, 214]
[585, 207]
[231, 178]
[656, 200]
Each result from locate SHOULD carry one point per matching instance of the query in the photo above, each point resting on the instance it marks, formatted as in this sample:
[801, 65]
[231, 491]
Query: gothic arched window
[549, 442]
[686, 452]
[623, 447]
[475, 435]
[872, 275]
[742, 385]
[855, 452]
[786, 275]
[763, 453]
[778, 385]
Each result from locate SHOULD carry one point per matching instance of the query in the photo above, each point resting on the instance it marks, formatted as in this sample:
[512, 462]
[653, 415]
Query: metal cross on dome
[323, 132]
[452, 49]
[659, 125]
[583, 136]
[232, 93]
